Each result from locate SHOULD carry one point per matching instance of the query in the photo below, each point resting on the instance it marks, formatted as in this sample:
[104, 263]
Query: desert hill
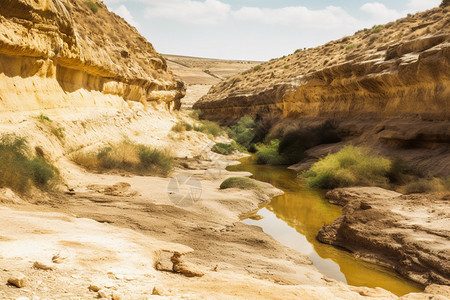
[386, 86]
[200, 74]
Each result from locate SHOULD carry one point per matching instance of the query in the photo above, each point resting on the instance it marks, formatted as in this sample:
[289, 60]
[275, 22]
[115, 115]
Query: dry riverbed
[121, 237]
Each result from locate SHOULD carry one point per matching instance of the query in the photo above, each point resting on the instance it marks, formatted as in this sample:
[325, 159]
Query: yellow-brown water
[294, 219]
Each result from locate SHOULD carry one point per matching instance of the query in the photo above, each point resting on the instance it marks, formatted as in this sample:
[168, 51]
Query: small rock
[116, 296]
[19, 280]
[94, 288]
[158, 291]
[102, 294]
[58, 259]
[185, 268]
[42, 266]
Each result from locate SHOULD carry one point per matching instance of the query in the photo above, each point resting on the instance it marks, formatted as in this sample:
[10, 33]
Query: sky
[255, 29]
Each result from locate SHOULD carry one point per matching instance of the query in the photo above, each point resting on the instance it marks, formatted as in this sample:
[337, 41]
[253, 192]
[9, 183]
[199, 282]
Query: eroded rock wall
[59, 53]
[400, 70]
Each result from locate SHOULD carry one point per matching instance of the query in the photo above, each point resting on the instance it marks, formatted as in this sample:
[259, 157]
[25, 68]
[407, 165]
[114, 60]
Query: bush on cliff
[350, 166]
[19, 169]
[127, 156]
[92, 6]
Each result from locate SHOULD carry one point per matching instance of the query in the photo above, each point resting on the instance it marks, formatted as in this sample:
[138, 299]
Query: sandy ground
[123, 237]
[118, 238]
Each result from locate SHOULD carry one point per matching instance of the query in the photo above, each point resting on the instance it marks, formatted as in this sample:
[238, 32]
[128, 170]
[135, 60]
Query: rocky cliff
[399, 69]
[60, 53]
[387, 87]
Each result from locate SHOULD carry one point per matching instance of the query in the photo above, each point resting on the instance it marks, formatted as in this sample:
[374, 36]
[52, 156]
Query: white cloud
[188, 11]
[421, 5]
[330, 17]
[379, 13]
[125, 13]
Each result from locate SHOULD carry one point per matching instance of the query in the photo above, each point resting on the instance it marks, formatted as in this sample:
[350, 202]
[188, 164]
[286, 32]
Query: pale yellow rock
[42, 266]
[18, 279]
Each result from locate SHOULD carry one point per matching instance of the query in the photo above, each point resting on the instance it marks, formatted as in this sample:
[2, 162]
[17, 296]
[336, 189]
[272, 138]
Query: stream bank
[295, 218]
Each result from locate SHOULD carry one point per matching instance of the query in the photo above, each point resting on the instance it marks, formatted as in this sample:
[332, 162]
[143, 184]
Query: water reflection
[295, 218]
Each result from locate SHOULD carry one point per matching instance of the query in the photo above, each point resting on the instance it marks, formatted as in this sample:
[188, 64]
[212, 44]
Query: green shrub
[19, 169]
[196, 114]
[424, 185]
[224, 149]
[92, 6]
[136, 158]
[242, 183]
[154, 160]
[209, 127]
[349, 167]
[377, 28]
[268, 154]
[182, 126]
[43, 118]
[243, 132]
[444, 3]
[42, 171]
[350, 47]
[257, 68]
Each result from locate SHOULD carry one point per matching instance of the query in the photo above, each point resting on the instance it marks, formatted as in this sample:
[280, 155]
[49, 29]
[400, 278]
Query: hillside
[399, 68]
[58, 54]
[387, 87]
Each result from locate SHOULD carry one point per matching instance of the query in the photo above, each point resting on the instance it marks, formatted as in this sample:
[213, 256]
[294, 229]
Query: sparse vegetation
[268, 153]
[56, 131]
[43, 118]
[349, 167]
[242, 183]
[377, 28]
[350, 47]
[424, 185]
[257, 68]
[208, 127]
[243, 132]
[135, 158]
[19, 169]
[92, 6]
[196, 114]
[182, 126]
[224, 149]
[444, 3]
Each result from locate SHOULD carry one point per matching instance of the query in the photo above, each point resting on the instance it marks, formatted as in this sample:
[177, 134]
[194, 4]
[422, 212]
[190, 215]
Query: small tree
[445, 3]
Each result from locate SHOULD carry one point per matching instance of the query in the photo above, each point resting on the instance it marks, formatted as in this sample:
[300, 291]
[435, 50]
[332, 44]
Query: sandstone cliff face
[402, 70]
[408, 233]
[59, 53]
